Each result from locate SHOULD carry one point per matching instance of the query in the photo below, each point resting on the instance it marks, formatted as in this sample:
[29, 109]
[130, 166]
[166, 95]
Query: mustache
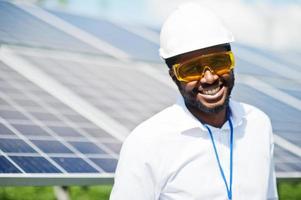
[219, 81]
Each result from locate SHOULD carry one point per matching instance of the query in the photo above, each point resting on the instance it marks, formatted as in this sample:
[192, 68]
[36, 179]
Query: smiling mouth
[211, 89]
[212, 92]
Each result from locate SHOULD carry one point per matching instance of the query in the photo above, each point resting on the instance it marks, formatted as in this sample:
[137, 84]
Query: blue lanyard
[229, 188]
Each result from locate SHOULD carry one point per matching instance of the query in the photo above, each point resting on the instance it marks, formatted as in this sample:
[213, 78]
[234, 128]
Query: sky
[271, 24]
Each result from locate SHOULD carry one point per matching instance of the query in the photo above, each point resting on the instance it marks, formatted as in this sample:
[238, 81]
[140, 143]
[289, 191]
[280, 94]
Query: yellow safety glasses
[194, 69]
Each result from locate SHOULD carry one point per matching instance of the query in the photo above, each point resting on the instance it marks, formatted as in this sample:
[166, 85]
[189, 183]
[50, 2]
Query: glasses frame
[177, 66]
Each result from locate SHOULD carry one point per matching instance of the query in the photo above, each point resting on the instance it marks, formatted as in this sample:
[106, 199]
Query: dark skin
[208, 109]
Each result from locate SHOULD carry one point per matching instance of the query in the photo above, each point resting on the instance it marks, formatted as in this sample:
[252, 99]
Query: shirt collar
[188, 121]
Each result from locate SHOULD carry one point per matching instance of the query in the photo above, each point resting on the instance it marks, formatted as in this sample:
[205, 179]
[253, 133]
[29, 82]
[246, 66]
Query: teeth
[211, 92]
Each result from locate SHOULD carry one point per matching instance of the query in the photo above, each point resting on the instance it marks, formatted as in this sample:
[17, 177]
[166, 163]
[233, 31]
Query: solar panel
[136, 46]
[65, 109]
[45, 140]
[17, 31]
[286, 161]
[89, 80]
[7, 167]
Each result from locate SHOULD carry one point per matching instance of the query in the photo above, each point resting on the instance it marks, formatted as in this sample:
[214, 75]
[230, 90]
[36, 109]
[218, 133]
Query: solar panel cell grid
[293, 137]
[15, 145]
[49, 146]
[35, 164]
[12, 114]
[288, 57]
[97, 132]
[116, 36]
[42, 116]
[269, 105]
[286, 161]
[109, 165]
[294, 93]
[46, 117]
[76, 118]
[284, 126]
[80, 167]
[26, 103]
[87, 148]
[16, 31]
[4, 130]
[52, 120]
[245, 67]
[115, 85]
[115, 147]
[6, 166]
[65, 131]
[287, 167]
[30, 130]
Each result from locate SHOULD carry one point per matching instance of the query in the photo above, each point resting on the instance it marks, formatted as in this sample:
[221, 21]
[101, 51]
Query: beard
[191, 102]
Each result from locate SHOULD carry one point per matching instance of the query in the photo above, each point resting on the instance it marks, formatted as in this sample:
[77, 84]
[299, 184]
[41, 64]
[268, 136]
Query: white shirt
[170, 157]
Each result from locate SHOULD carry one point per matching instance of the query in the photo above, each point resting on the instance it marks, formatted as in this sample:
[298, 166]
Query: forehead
[193, 54]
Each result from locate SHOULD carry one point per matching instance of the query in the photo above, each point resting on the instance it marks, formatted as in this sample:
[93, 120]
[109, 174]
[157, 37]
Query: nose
[209, 77]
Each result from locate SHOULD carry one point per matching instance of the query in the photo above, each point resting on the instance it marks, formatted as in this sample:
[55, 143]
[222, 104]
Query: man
[205, 146]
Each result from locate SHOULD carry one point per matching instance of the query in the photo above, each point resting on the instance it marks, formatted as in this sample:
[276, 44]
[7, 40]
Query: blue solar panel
[15, 145]
[294, 93]
[27, 129]
[35, 164]
[98, 77]
[293, 137]
[6, 166]
[49, 126]
[115, 147]
[49, 146]
[276, 56]
[4, 130]
[15, 29]
[12, 114]
[271, 106]
[45, 116]
[98, 132]
[76, 117]
[134, 45]
[109, 165]
[245, 67]
[287, 161]
[65, 131]
[75, 165]
[87, 148]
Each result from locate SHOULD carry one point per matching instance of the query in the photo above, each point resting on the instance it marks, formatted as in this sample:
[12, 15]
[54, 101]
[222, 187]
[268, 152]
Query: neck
[213, 119]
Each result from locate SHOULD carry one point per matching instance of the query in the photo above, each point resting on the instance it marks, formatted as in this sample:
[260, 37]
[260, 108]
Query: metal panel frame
[55, 179]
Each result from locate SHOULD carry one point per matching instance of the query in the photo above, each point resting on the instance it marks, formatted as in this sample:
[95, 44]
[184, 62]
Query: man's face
[210, 94]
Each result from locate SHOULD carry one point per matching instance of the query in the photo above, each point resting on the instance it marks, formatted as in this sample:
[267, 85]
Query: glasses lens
[194, 69]
[191, 71]
[220, 63]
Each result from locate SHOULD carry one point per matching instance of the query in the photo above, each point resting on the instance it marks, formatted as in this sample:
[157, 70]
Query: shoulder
[156, 131]
[253, 120]
[249, 112]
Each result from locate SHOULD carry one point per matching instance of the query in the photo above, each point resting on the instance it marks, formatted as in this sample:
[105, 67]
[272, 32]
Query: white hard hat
[191, 27]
